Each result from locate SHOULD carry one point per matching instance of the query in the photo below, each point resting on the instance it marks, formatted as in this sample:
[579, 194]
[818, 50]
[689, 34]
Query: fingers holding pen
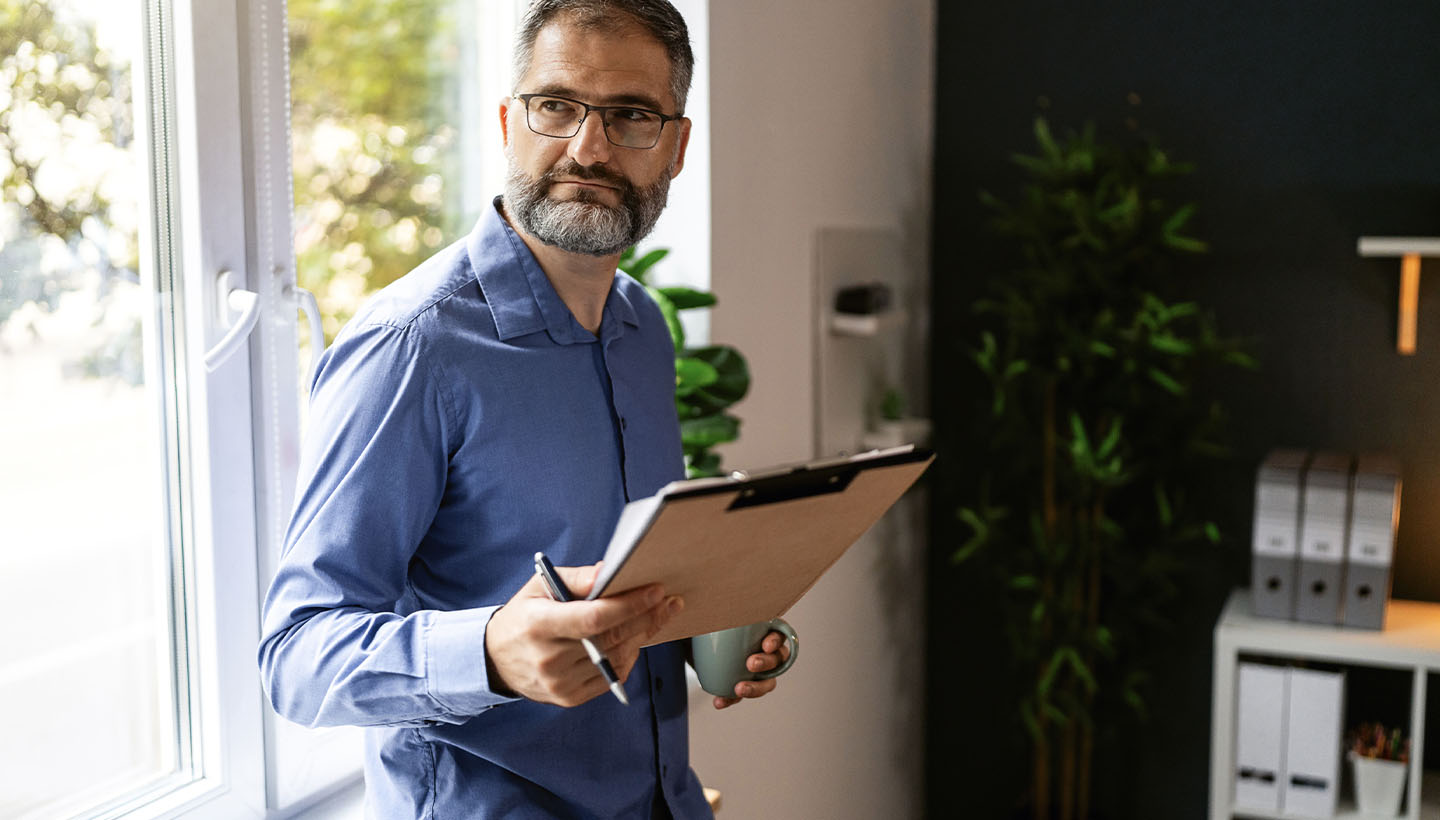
[534, 642]
[623, 642]
[596, 619]
[643, 626]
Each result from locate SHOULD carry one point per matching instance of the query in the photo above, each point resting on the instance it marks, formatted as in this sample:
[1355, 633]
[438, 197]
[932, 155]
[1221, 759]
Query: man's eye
[556, 107]
[633, 115]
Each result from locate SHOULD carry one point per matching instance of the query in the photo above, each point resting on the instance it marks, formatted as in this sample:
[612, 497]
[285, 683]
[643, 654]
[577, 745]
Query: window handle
[311, 308]
[238, 309]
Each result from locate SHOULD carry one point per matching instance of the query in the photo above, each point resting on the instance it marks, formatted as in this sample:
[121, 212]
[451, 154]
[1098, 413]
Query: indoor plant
[1096, 439]
[708, 379]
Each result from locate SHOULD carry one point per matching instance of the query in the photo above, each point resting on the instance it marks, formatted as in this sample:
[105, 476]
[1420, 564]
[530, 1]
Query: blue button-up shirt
[462, 421]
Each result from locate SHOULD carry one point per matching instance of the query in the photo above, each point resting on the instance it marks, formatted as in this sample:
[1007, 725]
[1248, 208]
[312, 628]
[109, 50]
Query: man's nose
[589, 146]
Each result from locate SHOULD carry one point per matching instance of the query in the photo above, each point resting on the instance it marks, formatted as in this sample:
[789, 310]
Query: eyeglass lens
[561, 118]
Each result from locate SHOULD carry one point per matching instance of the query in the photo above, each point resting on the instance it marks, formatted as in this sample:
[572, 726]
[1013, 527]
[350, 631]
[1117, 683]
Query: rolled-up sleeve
[372, 475]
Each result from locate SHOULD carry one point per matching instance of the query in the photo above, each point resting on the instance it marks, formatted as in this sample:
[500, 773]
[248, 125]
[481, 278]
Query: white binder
[1370, 552]
[1313, 743]
[1324, 524]
[1275, 538]
[1259, 736]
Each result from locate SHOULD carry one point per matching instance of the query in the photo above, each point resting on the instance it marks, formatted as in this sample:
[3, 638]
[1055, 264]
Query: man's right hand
[532, 644]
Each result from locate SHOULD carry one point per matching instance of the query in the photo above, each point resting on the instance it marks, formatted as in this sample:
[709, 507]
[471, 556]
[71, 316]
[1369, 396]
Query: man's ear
[505, 121]
[684, 124]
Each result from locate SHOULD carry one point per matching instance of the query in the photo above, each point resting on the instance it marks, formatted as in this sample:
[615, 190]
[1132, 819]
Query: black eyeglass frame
[604, 125]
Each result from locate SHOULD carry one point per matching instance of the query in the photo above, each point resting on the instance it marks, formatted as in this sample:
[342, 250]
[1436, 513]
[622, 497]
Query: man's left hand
[774, 650]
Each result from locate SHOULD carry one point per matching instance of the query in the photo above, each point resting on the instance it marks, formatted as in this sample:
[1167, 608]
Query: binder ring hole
[1318, 587]
[1363, 591]
[1273, 584]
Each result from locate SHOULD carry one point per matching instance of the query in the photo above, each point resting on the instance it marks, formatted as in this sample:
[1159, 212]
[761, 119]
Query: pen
[559, 592]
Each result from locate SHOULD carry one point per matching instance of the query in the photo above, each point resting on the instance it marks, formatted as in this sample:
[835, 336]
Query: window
[123, 504]
[88, 320]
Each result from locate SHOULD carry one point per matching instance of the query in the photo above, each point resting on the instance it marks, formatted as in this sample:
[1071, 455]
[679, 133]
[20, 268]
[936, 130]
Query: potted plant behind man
[1098, 435]
[708, 379]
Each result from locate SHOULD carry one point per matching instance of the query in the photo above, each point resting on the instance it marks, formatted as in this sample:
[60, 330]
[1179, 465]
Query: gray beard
[584, 224]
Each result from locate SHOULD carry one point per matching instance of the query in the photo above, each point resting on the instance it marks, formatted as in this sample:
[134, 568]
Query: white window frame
[221, 616]
[302, 766]
[226, 215]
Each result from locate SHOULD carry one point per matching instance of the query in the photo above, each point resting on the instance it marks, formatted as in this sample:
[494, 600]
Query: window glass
[85, 563]
[384, 93]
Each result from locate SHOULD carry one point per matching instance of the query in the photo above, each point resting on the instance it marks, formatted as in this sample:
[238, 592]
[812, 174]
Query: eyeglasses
[625, 126]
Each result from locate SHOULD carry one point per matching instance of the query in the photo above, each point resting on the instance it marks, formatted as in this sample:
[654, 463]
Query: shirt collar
[520, 295]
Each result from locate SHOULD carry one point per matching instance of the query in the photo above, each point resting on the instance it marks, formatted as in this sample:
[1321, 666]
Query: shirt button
[659, 684]
[623, 423]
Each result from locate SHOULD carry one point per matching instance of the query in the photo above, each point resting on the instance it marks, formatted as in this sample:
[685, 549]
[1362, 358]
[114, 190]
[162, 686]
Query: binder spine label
[1372, 531]
[1323, 534]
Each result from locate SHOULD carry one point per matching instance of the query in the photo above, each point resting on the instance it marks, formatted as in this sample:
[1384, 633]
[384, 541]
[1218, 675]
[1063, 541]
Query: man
[507, 396]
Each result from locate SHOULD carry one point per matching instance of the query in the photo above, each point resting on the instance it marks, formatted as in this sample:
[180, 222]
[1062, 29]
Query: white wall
[821, 117]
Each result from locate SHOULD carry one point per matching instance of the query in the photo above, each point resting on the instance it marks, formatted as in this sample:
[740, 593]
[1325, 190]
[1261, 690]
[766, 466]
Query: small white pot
[1379, 785]
[893, 433]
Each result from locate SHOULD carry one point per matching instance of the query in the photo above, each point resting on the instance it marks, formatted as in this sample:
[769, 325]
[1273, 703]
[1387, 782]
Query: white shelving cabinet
[1410, 643]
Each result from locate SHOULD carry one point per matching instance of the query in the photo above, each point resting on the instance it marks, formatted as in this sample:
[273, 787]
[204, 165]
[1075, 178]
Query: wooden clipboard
[745, 549]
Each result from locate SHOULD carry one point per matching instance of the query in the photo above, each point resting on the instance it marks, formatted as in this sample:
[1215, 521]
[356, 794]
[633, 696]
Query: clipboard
[746, 548]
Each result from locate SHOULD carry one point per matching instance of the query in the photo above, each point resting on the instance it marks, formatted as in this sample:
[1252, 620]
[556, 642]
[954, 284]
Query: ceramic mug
[719, 657]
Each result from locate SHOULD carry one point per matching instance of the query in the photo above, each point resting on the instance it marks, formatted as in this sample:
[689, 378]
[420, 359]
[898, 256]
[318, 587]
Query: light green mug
[719, 657]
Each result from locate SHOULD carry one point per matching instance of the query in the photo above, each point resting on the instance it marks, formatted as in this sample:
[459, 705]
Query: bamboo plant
[708, 379]
[1097, 435]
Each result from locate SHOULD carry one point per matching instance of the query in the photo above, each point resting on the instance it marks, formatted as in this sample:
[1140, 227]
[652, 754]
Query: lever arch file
[1315, 701]
[1275, 539]
[1324, 522]
[1375, 514]
[1259, 736]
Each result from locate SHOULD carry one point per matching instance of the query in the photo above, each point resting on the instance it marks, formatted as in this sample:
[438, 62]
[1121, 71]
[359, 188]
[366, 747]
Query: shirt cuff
[455, 662]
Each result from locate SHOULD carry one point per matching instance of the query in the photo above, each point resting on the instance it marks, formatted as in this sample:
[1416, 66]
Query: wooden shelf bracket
[1409, 249]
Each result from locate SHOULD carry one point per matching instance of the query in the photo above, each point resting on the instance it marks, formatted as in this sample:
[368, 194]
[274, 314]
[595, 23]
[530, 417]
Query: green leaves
[982, 523]
[988, 359]
[708, 379]
[1166, 381]
[1063, 658]
[687, 298]
[639, 267]
[1172, 238]
[1100, 465]
[731, 382]
[691, 374]
[1100, 429]
[671, 312]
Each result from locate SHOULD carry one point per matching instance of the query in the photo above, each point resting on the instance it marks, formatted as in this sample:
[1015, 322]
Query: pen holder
[1379, 785]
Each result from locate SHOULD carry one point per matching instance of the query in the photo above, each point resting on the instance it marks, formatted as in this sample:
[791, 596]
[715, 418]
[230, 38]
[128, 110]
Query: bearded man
[508, 396]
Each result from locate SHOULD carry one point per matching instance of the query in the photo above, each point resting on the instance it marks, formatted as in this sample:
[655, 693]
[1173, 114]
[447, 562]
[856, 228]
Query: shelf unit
[1409, 642]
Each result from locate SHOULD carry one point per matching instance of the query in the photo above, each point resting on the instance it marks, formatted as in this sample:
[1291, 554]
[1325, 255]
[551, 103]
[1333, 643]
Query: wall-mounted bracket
[1409, 249]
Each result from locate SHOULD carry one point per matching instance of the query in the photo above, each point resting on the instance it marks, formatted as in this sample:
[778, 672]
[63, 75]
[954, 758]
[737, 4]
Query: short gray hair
[656, 17]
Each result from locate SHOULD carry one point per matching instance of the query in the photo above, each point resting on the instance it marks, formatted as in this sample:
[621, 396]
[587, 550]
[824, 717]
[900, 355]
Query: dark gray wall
[1310, 124]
